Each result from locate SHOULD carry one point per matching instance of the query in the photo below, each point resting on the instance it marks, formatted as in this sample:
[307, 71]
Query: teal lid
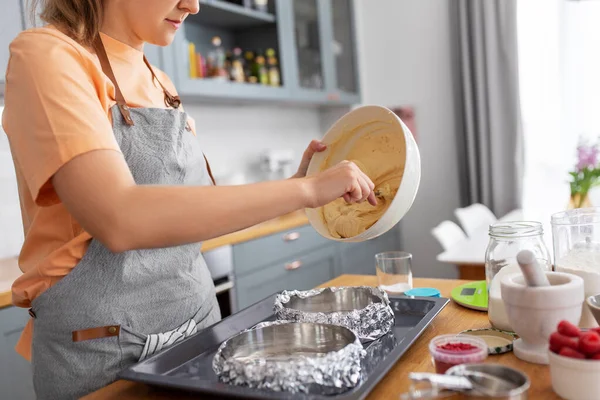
[423, 292]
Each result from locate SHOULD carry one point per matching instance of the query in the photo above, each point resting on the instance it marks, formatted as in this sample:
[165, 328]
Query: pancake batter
[380, 152]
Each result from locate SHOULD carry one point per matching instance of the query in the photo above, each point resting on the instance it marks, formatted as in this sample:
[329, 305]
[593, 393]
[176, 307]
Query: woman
[116, 194]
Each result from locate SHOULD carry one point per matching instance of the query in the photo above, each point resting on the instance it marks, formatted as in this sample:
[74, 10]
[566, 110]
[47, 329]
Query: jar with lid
[576, 240]
[507, 239]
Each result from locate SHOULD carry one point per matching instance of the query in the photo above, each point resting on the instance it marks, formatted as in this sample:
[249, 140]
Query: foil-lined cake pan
[363, 309]
[293, 357]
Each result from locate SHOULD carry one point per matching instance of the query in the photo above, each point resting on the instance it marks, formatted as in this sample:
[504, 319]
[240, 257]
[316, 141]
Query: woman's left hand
[316, 146]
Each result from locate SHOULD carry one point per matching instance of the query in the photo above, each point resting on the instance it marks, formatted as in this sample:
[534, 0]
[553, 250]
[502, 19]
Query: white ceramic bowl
[575, 379]
[410, 180]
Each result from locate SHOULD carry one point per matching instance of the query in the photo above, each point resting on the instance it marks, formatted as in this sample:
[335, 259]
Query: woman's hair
[80, 19]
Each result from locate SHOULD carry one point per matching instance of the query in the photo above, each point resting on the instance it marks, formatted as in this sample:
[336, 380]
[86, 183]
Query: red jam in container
[450, 350]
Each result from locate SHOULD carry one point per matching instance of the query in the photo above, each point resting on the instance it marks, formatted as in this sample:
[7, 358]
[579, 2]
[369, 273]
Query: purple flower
[587, 157]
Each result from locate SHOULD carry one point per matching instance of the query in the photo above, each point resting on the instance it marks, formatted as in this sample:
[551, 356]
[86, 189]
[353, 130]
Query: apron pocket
[64, 369]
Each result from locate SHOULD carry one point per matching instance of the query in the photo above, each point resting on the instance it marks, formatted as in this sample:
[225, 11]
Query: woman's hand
[342, 180]
[314, 147]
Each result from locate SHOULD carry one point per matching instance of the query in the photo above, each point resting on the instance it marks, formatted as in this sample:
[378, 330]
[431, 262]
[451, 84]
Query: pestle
[533, 273]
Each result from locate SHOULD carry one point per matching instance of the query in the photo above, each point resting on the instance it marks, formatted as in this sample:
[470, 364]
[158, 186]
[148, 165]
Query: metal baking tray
[188, 365]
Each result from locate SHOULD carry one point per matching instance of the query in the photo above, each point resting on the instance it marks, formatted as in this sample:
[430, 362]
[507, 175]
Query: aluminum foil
[370, 322]
[328, 373]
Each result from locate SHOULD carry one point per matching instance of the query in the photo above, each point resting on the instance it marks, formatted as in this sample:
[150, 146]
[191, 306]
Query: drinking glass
[394, 271]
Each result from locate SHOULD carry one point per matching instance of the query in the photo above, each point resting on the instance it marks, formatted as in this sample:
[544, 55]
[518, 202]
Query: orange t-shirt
[57, 106]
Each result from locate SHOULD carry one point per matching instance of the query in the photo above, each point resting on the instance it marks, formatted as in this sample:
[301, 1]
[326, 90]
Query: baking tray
[188, 365]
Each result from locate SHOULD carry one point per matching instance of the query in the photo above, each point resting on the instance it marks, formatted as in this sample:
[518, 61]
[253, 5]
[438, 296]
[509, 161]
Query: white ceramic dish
[574, 379]
[410, 180]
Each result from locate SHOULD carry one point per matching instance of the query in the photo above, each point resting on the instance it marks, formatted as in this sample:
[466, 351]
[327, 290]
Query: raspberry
[568, 329]
[569, 352]
[595, 356]
[589, 343]
[457, 347]
[558, 342]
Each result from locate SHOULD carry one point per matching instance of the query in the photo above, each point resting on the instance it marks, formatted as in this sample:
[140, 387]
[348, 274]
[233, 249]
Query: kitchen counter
[288, 221]
[9, 269]
[452, 319]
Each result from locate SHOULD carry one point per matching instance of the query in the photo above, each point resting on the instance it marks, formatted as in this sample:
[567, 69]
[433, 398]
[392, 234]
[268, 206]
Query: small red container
[460, 349]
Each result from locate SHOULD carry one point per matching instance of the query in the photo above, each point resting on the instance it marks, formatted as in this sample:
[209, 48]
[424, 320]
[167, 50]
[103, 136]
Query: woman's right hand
[342, 180]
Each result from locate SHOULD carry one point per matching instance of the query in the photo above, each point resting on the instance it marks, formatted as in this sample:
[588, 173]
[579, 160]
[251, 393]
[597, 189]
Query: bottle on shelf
[192, 60]
[201, 71]
[249, 67]
[216, 60]
[273, 68]
[237, 66]
[259, 69]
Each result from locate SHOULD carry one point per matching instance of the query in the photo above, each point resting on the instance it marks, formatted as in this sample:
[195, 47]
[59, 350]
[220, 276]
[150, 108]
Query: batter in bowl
[380, 152]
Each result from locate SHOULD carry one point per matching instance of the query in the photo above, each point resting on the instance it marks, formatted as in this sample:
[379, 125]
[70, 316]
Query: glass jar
[507, 239]
[576, 242]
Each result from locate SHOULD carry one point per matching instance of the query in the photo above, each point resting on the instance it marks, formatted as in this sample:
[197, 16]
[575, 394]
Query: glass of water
[394, 271]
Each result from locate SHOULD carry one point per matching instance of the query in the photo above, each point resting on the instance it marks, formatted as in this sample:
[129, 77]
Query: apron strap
[170, 100]
[105, 64]
[209, 171]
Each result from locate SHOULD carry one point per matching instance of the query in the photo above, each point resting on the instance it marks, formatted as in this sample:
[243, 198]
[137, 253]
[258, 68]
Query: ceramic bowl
[593, 304]
[574, 379]
[408, 186]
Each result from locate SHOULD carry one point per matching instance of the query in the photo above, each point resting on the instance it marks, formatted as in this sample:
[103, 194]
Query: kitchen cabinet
[11, 23]
[300, 259]
[323, 63]
[15, 372]
[313, 41]
[301, 273]
[251, 255]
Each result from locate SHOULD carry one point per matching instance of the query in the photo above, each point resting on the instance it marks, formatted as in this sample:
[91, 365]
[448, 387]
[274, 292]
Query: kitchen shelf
[227, 15]
[210, 89]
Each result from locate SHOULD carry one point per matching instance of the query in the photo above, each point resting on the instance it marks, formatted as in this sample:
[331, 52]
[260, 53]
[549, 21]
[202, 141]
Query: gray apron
[112, 309]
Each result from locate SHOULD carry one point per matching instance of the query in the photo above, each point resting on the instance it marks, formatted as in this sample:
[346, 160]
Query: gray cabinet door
[359, 258]
[11, 23]
[299, 273]
[255, 254]
[15, 372]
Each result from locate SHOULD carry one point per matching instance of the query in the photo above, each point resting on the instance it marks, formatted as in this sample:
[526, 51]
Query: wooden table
[452, 319]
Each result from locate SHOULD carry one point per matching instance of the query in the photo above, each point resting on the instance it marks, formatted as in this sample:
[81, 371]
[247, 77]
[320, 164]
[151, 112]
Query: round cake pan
[493, 381]
[363, 309]
[294, 357]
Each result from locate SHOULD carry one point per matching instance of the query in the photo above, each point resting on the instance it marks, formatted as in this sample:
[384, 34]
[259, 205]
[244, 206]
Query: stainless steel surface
[295, 357]
[493, 381]
[346, 299]
[365, 310]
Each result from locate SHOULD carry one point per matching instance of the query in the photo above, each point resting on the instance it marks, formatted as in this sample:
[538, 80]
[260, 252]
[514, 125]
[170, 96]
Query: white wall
[232, 136]
[405, 59]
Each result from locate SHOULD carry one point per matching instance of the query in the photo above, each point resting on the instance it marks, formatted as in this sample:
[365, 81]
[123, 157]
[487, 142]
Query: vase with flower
[585, 176]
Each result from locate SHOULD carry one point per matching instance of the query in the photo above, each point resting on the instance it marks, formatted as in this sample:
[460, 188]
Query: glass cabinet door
[308, 44]
[343, 46]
